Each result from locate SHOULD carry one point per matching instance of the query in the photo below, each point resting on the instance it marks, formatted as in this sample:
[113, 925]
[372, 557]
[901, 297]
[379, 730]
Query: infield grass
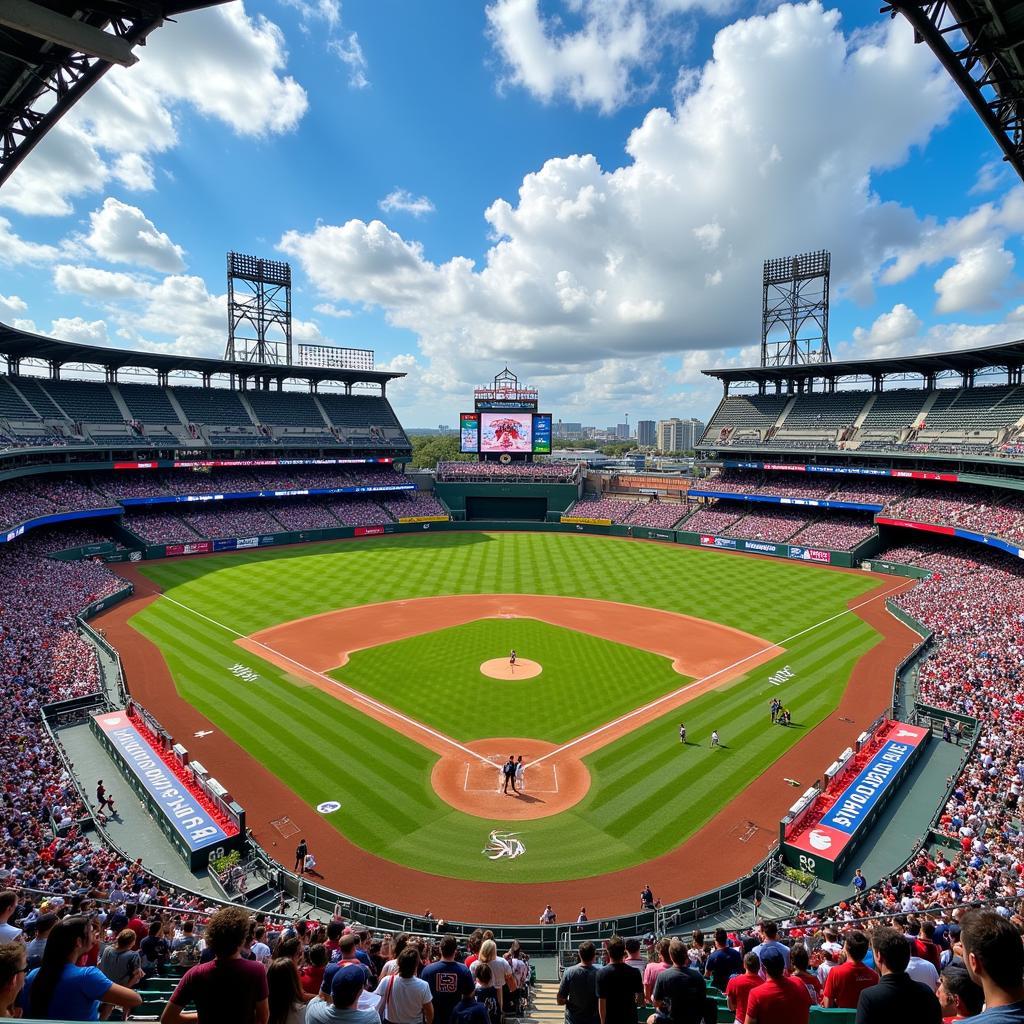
[435, 678]
[648, 792]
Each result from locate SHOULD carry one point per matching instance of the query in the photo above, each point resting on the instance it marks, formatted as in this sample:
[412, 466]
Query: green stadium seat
[819, 1015]
[725, 1015]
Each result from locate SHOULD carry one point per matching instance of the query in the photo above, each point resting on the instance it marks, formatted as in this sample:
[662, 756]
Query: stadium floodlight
[794, 322]
[259, 310]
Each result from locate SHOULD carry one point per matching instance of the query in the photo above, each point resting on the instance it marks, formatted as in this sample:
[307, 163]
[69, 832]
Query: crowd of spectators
[773, 525]
[21, 500]
[158, 527]
[712, 517]
[615, 509]
[815, 486]
[525, 472]
[835, 532]
[661, 515]
[413, 503]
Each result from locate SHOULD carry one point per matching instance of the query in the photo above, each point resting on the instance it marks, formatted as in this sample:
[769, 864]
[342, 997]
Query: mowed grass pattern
[436, 679]
[648, 792]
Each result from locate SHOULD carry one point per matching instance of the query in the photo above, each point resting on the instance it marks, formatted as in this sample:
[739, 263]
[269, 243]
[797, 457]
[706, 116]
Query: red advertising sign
[199, 548]
[368, 531]
[949, 531]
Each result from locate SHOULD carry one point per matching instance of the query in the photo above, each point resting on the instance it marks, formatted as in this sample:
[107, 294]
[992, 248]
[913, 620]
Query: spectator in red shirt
[228, 989]
[780, 1000]
[738, 990]
[312, 976]
[847, 980]
[801, 961]
[136, 924]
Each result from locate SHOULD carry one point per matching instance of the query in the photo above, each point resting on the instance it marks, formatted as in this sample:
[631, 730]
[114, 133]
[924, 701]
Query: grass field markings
[369, 701]
[711, 675]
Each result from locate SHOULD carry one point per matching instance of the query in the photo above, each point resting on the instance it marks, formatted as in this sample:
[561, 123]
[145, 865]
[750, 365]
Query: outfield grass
[648, 792]
[435, 678]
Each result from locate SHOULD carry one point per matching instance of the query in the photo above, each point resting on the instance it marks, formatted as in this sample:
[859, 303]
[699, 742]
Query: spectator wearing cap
[347, 987]
[847, 980]
[227, 989]
[959, 997]
[780, 1000]
[995, 960]
[896, 997]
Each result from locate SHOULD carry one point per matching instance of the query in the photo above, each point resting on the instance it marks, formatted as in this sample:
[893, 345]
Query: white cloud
[593, 65]
[349, 51]
[326, 309]
[976, 280]
[887, 336]
[86, 332]
[12, 304]
[219, 61]
[123, 234]
[327, 11]
[14, 249]
[673, 240]
[992, 176]
[94, 283]
[404, 201]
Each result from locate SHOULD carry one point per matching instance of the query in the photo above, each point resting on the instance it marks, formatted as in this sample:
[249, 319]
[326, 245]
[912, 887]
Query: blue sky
[583, 189]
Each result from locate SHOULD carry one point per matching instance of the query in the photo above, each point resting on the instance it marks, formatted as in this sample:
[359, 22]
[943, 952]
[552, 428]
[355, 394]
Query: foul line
[369, 701]
[697, 682]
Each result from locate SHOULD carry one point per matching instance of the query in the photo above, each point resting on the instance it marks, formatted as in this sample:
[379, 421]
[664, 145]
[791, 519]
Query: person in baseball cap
[348, 986]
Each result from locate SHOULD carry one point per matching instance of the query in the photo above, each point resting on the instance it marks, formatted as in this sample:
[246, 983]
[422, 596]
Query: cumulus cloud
[85, 332]
[976, 280]
[218, 61]
[887, 336]
[663, 254]
[404, 201]
[123, 234]
[350, 52]
[327, 309]
[12, 304]
[14, 249]
[593, 65]
[95, 283]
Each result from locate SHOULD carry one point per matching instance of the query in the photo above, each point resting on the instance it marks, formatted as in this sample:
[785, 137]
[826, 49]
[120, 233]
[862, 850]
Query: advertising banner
[774, 499]
[423, 519]
[810, 555]
[213, 463]
[225, 544]
[198, 548]
[166, 499]
[542, 433]
[194, 824]
[469, 433]
[583, 520]
[852, 808]
[58, 517]
[368, 531]
[949, 531]
[764, 547]
[719, 542]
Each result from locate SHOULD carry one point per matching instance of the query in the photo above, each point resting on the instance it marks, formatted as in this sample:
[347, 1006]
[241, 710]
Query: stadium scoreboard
[505, 424]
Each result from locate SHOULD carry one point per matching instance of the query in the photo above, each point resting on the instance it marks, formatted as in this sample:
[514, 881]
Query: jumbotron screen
[506, 432]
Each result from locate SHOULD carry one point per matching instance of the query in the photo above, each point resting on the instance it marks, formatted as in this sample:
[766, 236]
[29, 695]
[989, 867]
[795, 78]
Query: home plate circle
[502, 668]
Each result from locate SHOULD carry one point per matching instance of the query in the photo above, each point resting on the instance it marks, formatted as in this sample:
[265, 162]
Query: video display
[506, 432]
[469, 433]
[542, 433]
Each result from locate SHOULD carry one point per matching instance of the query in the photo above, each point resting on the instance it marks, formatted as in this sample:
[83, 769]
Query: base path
[728, 846]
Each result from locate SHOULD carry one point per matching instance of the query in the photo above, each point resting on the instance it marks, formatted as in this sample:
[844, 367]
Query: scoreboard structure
[505, 425]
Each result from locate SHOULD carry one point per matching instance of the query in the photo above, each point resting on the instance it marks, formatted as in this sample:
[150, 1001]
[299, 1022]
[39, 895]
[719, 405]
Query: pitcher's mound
[499, 668]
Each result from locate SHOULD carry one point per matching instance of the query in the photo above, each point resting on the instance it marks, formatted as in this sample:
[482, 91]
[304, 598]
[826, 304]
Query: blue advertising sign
[775, 499]
[58, 517]
[180, 808]
[165, 499]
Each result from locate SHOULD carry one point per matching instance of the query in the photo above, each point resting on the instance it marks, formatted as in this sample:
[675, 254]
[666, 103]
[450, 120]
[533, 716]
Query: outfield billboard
[469, 433]
[510, 432]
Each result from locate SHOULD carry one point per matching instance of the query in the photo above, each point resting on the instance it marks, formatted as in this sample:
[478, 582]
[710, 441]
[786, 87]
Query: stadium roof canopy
[966, 363]
[981, 44]
[53, 51]
[16, 345]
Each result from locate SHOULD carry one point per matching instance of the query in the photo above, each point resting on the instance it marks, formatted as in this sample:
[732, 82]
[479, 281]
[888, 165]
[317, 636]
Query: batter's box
[483, 778]
[286, 827]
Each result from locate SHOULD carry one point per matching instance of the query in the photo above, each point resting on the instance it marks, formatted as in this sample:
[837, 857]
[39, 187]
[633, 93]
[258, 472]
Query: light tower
[794, 322]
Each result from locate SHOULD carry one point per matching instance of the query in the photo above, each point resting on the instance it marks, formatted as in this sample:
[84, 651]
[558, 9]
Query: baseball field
[351, 673]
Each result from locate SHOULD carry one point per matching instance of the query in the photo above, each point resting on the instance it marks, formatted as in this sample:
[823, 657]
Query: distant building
[646, 433]
[622, 431]
[676, 435]
[568, 430]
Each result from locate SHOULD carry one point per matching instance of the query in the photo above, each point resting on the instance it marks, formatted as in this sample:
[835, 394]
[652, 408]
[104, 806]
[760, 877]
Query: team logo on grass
[328, 807]
[503, 844]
